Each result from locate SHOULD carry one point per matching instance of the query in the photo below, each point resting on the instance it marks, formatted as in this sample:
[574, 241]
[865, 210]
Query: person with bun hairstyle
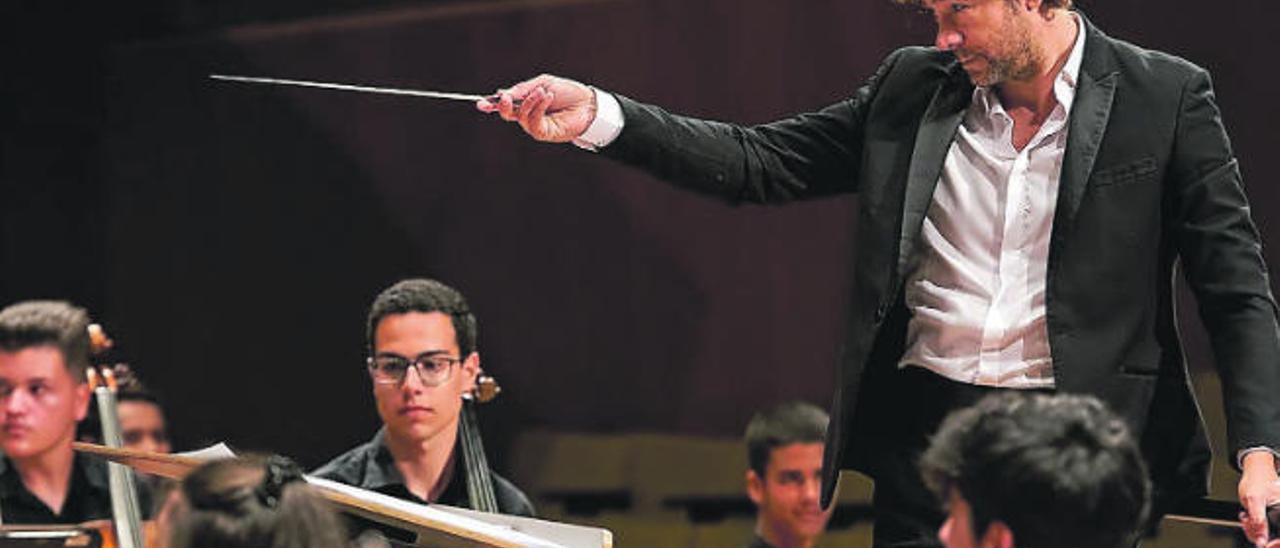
[250, 502]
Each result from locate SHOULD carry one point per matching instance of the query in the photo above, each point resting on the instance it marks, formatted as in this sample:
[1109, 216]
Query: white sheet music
[435, 516]
[213, 452]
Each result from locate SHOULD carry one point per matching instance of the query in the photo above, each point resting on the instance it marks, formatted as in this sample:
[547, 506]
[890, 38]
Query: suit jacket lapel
[1088, 122]
[933, 141]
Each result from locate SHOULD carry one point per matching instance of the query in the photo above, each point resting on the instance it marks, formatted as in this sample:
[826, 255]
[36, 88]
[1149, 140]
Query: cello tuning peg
[99, 342]
[486, 389]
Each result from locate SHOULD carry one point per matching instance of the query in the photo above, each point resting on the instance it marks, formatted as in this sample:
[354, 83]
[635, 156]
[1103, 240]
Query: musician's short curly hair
[424, 295]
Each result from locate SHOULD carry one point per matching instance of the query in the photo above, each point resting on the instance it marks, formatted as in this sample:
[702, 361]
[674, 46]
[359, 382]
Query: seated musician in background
[421, 338]
[250, 502]
[784, 451]
[1037, 471]
[44, 351]
[142, 419]
[142, 424]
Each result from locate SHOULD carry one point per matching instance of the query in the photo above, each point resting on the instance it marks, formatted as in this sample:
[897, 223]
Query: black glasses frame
[433, 369]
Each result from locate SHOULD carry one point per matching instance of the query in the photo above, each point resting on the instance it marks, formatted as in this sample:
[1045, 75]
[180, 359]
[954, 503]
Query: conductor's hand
[549, 108]
[1258, 489]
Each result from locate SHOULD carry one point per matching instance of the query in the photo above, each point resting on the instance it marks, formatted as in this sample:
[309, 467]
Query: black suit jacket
[1148, 181]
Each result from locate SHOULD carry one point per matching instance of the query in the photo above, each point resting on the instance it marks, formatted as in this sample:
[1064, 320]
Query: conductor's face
[41, 402]
[426, 403]
[992, 39]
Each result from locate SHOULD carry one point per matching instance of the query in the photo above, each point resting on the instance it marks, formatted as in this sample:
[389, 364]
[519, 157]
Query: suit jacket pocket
[1132, 172]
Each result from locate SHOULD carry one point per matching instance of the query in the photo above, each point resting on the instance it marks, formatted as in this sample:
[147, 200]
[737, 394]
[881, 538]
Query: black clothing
[906, 513]
[88, 495]
[758, 541]
[1148, 181]
[371, 466]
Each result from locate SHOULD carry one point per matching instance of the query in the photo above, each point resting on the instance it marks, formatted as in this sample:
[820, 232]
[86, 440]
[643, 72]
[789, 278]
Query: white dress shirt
[977, 291]
[976, 294]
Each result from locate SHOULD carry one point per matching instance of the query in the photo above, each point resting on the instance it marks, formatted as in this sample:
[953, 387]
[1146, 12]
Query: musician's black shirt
[370, 466]
[88, 495]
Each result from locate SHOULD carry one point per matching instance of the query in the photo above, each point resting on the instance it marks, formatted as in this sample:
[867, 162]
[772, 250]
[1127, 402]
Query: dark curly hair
[424, 295]
[1060, 471]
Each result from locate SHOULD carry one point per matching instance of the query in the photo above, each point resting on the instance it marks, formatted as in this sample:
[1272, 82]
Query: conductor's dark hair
[253, 502]
[48, 323]
[423, 295]
[1060, 471]
[784, 424]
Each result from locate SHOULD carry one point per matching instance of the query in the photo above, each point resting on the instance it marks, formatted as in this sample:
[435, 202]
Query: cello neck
[125, 510]
[479, 479]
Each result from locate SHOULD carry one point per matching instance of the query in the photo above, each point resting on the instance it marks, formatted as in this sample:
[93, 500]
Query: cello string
[480, 486]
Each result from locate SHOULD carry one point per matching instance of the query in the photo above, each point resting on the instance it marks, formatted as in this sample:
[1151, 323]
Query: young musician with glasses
[422, 359]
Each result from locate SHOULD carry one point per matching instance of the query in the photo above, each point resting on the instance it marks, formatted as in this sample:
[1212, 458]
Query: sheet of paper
[213, 452]
[425, 519]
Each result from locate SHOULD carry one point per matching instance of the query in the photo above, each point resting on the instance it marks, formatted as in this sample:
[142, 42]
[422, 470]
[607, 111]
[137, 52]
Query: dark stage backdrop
[239, 232]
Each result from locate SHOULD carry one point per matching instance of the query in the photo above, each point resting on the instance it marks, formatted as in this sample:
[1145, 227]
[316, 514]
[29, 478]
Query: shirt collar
[93, 471]
[1064, 87]
[379, 467]
[8, 475]
[380, 471]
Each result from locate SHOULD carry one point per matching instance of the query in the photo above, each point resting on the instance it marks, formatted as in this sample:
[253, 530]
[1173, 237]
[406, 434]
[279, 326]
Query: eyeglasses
[433, 369]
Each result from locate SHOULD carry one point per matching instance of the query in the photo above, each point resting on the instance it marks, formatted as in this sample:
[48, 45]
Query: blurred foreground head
[1037, 471]
[251, 502]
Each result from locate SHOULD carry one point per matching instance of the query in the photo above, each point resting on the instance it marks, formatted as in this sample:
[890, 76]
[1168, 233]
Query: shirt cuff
[1240, 456]
[606, 126]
